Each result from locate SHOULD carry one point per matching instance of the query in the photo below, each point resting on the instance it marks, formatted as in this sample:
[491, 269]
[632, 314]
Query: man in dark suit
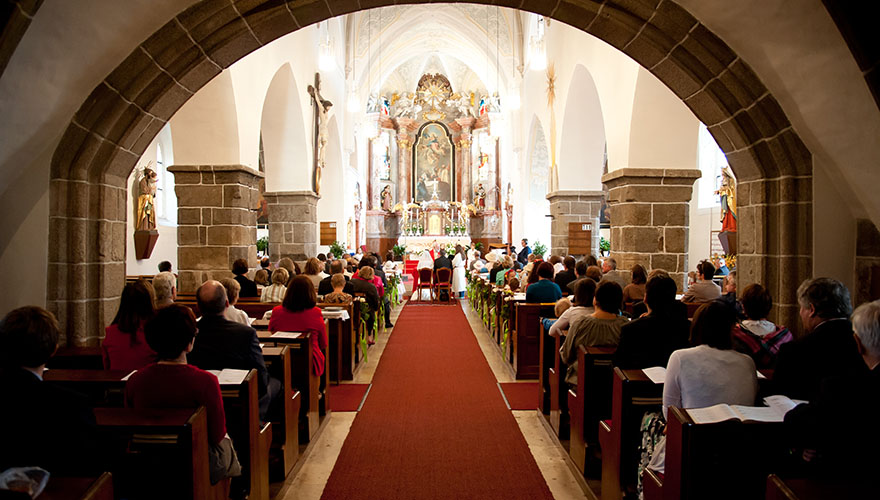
[226, 344]
[324, 286]
[523, 255]
[827, 350]
[442, 261]
[566, 276]
[41, 424]
[838, 427]
[649, 340]
[580, 270]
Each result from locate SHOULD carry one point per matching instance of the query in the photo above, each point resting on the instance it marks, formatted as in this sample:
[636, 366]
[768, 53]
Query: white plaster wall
[331, 206]
[834, 230]
[205, 129]
[582, 145]
[284, 138]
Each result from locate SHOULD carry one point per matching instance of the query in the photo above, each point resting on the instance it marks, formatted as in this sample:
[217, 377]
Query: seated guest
[376, 263]
[712, 372]
[314, 271]
[325, 287]
[442, 261]
[240, 270]
[368, 261]
[529, 278]
[594, 273]
[561, 306]
[720, 266]
[266, 265]
[543, 290]
[506, 265]
[591, 260]
[557, 264]
[580, 271]
[757, 336]
[165, 289]
[261, 278]
[298, 313]
[389, 266]
[567, 275]
[530, 263]
[124, 346]
[602, 328]
[364, 285]
[477, 262]
[582, 306]
[704, 290]
[232, 313]
[649, 340]
[172, 383]
[610, 272]
[337, 296]
[635, 291]
[41, 424]
[709, 374]
[287, 264]
[496, 268]
[828, 348]
[275, 292]
[164, 267]
[839, 424]
[513, 285]
[226, 344]
[325, 265]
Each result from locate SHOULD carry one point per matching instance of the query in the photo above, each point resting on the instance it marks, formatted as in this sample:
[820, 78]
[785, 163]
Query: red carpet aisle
[521, 395]
[435, 425]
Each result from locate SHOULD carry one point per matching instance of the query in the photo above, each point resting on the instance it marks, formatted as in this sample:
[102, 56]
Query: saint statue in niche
[386, 198]
[146, 218]
[480, 197]
[728, 201]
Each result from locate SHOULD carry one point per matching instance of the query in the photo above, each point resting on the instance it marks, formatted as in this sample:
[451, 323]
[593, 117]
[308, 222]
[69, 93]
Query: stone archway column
[573, 206]
[406, 128]
[649, 215]
[215, 221]
[293, 224]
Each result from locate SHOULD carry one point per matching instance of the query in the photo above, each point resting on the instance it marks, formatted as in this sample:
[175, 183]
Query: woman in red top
[124, 346]
[172, 383]
[298, 313]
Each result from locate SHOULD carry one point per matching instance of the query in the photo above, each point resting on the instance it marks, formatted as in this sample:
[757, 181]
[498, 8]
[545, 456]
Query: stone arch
[582, 145]
[284, 137]
[124, 112]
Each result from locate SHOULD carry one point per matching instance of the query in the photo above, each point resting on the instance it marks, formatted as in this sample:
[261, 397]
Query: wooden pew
[70, 488]
[75, 357]
[285, 432]
[102, 387]
[553, 401]
[160, 451]
[313, 388]
[816, 489]
[341, 344]
[590, 401]
[725, 460]
[254, 309]
[251, 439]
[526, 340]
[633, 395]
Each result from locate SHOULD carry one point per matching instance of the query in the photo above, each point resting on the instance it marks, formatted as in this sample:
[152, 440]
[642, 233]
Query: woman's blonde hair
[280, 276]
[366, 273]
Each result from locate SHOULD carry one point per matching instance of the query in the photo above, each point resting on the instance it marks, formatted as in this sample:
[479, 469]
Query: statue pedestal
[144, 242]
[728, 242]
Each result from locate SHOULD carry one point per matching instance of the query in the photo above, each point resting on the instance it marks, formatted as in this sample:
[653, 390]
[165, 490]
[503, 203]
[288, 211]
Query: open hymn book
[229, 376]
[777, 407]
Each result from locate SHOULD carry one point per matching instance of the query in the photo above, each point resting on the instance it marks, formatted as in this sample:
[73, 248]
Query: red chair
[424, 282]
[443, 280]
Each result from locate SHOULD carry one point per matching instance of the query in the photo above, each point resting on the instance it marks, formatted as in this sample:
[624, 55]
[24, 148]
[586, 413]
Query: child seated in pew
[513, 285]
[581, 307]
[41, 424]
[232, 313]
[172, 383]
[124, 346]
[337, 296]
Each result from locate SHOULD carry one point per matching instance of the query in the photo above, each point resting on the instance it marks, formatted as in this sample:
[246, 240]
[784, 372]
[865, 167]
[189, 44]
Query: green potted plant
[398, 251]
[263, 245]
[337, 249]
[604, 246]
[539, 249]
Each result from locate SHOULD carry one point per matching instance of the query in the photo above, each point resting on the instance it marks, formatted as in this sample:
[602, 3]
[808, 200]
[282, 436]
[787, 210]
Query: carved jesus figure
[146, 201]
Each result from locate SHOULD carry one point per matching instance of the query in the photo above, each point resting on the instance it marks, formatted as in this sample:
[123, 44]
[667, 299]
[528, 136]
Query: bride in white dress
[459, 281]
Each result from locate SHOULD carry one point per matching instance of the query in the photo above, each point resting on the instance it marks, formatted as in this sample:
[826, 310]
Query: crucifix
[322, 136]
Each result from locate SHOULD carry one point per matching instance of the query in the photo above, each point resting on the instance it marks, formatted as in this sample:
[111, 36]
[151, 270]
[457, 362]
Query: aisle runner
[435, 425]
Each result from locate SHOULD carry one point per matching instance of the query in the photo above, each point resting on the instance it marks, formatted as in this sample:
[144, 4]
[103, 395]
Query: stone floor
[307, 481]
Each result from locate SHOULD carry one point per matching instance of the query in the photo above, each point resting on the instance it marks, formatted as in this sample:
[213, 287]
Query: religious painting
[433, 164]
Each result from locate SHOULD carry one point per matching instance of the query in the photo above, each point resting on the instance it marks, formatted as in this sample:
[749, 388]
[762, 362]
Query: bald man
[226, 344]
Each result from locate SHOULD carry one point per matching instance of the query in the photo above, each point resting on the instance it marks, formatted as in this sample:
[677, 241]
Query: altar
[417, 244]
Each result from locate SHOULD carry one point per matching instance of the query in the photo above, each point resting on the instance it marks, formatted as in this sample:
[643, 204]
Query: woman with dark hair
[581, 306]
[314, 271]
[635, 291]
[298, 313]
[542, 289]
[124, 346]
[757, 336]
[602, 328]
[172, 383]
[240, 270]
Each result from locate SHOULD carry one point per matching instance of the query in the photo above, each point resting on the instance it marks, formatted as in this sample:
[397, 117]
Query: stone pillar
[215, 221]
[383, 231]
[406, 128]
[573, 206]
[649, 215]
[293, 224]
[465, 142]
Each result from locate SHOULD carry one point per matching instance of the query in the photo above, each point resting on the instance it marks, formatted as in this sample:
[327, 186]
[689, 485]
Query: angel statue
[146, 214]
[464, 106]
[405, 106]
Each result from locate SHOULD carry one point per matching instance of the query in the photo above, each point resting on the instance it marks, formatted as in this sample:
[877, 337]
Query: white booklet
[657, 374]
[723, 411]
[286, 335]
[125, 378]
[229, 376]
